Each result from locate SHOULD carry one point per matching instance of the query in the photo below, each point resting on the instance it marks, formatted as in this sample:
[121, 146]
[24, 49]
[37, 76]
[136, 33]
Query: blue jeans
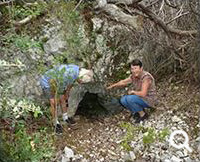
[133, 103]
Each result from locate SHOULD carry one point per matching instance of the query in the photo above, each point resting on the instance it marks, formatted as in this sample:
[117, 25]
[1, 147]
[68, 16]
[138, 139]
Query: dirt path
[98, 139]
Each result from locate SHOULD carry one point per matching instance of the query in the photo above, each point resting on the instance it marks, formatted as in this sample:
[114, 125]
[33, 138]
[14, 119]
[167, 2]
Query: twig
[24, 21]
[128, 2]
[170, 5]
[177, 17]
[77, 5]
[152, 16]
[31, 4]
[153, 3]
[162, 5]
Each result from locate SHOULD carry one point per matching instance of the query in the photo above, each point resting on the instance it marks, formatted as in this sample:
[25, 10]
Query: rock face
[106, 61]
[78, 93]
[55, 45]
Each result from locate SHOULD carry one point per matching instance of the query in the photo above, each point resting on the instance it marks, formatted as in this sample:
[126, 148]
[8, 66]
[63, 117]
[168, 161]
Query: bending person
[56, 84]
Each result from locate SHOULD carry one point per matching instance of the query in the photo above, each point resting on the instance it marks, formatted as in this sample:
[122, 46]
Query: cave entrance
[90, 106]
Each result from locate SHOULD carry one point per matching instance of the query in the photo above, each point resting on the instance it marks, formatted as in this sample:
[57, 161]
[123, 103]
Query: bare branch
[162, 5]
[177, 17]
[24, 21]
[31, 4]
[103, 3]
[77, 5]
[153, 17]
[153, 3]
[120, 16]
[158, 21]
[169, 4]
[183, 32]
[124, 18]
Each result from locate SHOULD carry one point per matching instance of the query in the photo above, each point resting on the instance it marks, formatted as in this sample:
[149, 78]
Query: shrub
[150, 135]
[26, 147]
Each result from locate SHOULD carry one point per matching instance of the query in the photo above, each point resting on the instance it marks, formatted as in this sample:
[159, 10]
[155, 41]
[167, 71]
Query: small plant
[130, 135]
[58, 76]
[150, 135]
[163, 134]
[22, 42]
[18, 108]
[20, 12]
[15, 109]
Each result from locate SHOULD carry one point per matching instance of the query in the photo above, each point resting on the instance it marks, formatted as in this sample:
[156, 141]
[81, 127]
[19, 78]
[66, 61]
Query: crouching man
[143, 93]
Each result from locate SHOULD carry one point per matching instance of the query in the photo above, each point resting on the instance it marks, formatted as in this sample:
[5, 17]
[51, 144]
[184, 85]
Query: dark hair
[136, 62]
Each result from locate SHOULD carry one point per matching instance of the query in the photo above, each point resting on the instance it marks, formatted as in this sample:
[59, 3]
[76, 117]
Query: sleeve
[147, 77]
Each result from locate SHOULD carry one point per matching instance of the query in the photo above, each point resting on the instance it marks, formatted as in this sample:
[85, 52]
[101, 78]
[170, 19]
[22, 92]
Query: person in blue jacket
[56, 84]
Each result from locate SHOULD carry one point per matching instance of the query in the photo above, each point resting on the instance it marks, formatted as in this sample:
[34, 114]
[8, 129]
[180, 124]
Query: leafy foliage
[26, 147]
[23, 107]
[23, 42]
[19, 145]
[17, 63]
[20, 12]
[16, 108]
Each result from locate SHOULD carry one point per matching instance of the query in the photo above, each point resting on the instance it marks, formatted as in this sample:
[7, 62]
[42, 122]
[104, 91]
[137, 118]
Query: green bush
[22, 42]
[19, 12]
[23, 146]
[15, 109]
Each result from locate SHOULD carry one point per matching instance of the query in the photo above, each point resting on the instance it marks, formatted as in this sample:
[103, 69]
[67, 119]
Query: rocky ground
[118, 138]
